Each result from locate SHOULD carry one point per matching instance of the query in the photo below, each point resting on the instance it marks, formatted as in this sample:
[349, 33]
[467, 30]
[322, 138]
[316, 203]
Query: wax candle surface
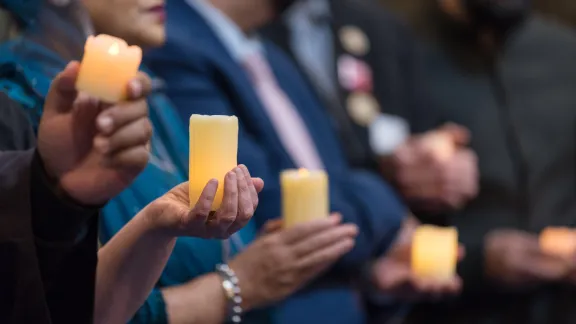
[107, 67]
[213, 152]
[304, 196]
[441, 144]
[435, 252]
[559, 241]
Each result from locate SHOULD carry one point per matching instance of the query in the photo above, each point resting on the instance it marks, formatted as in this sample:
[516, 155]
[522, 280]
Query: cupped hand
[435, 171]
[393, 275]
[94, 150]
[514, 258]
[172, 212]
[283, 260]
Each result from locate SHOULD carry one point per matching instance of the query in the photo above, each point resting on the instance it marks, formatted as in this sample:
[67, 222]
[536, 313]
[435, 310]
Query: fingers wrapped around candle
[139, 87]
[239, 203]
[124, 132]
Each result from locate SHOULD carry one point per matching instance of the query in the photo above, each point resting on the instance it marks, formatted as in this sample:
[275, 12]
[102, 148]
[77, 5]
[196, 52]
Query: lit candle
[213, 152]
[441, 144]
[559, 241]
[435, 252]
[304, 196]
[107, 67]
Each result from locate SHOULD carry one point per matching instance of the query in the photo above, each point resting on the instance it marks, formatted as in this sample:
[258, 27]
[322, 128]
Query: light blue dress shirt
[312, 42]
[239, 45]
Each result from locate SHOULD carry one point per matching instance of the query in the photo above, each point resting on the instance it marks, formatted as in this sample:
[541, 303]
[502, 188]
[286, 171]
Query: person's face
[139, 22]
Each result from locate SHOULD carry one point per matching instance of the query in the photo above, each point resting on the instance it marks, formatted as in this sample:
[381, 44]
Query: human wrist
[232, 292]
[250, 299]
[153, 221]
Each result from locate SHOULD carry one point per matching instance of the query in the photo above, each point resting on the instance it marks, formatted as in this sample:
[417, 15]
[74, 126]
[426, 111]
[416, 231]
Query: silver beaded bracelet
[232, 291]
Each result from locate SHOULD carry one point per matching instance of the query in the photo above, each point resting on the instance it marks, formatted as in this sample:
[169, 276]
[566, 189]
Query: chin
[153, 38]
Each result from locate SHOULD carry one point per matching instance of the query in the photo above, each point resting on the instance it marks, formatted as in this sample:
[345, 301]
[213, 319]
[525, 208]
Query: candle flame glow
[114, 49]
[303, 172]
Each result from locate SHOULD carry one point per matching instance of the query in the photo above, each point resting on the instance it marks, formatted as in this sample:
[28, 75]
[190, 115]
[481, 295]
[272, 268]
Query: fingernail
[102, 145]
[136, 87]
[105, 123]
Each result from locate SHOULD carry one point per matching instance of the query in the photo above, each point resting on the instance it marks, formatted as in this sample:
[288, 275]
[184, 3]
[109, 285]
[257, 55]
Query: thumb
[62, 93]
[258, 184]
[181, 193]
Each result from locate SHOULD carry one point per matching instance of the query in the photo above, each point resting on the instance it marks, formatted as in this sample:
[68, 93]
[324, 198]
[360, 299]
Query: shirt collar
[309, 10]
[238, 44]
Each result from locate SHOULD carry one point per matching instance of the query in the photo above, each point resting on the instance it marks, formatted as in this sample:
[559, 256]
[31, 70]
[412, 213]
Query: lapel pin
[354, 40]
[363, 108]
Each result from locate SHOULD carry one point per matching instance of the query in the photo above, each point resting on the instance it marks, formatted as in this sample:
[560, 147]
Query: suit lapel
[197, 29]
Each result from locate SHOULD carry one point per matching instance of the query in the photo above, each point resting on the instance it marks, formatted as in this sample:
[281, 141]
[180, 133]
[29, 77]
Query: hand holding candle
[304, 196]
[445, 141]
[107, 67]
[213, 153]
[421, 262]
[441, 144]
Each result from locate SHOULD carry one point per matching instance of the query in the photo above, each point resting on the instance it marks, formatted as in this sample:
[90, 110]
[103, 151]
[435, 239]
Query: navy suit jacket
[202, 78]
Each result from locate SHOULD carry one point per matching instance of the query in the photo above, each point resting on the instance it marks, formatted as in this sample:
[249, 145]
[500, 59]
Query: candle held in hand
[559, 241]
[435, 252]
[107, 67]
[304, 196]
[213, 152]
[441, 144]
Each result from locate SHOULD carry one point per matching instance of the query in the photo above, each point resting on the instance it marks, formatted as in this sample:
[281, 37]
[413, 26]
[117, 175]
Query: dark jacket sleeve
[65, 233]
[54, 218]
[396, 61]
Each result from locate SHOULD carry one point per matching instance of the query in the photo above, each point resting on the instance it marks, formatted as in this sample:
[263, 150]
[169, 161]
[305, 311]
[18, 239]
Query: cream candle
[107, 67]
[304, 196]
[559, 241]
[435, 252]
[213, 152]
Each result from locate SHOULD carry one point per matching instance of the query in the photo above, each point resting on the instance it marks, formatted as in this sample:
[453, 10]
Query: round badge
[354, 40]
[363, 108]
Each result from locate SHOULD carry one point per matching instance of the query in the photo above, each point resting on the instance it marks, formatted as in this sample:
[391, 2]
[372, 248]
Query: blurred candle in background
[435, 252]
[213, 152]
[559, 241]
[304, 196]
[441, 144]
[107, 67]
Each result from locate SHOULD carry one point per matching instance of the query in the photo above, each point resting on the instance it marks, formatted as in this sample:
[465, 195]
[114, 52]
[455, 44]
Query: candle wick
[114, 49]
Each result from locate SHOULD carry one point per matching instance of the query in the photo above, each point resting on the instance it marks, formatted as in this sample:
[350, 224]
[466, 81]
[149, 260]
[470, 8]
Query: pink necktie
[285, 118]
